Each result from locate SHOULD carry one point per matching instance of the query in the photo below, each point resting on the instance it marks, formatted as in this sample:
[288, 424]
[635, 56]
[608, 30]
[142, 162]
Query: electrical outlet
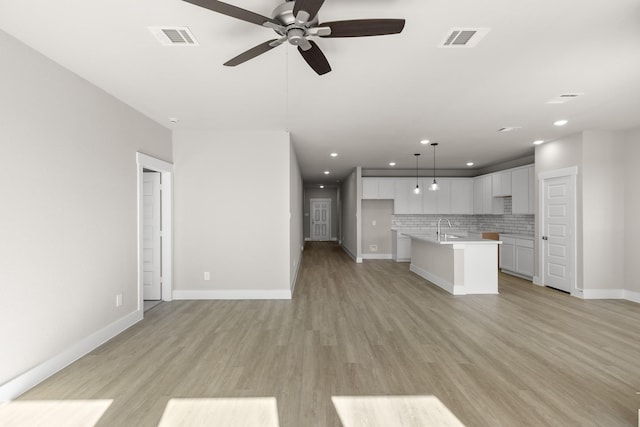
[373, 248]
[373, 222]
[119, 300]
[207, 275]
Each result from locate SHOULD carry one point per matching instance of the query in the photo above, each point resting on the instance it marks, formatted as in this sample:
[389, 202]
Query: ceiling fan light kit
[295, 22]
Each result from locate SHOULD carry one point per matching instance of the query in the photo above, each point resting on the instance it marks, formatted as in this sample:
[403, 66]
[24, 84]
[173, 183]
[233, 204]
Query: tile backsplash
[506, 223]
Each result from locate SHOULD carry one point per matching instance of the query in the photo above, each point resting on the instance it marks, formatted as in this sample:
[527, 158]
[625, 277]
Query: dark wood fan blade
[316, 59]
[233, 11]
[364, 27]
[310, 6]
[251, 53]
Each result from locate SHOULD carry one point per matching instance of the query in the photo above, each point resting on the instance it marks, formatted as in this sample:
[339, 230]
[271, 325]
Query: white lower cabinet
[516, 255]
[400, 247]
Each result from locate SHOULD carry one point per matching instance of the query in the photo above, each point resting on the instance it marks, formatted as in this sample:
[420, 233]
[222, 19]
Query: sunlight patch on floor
[399, 411]
[68, 413]
[228, 412]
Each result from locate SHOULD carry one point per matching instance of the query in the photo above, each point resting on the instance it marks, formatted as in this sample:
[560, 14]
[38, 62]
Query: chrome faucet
[438, 230]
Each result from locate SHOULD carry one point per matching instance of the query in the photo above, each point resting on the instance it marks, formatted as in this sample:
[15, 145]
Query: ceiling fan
[296, 21]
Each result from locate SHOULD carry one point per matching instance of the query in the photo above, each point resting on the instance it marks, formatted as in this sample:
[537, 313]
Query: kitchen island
[459, 265]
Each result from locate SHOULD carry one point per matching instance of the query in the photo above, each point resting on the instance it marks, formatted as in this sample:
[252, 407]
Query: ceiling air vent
[464, 37]
[564, 98]
[174, 36]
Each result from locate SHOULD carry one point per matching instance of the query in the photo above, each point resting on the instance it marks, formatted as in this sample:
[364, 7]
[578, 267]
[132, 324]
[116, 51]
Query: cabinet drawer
[508, 240]
[524, 243]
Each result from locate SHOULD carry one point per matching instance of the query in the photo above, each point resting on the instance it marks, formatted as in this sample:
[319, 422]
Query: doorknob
[545, 238]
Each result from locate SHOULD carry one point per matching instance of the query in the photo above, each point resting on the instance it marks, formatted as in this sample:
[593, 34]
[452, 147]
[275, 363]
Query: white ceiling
[384, 94]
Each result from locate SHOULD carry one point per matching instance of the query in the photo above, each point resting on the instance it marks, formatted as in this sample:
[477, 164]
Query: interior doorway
[558, 229]
[155, 225]
[320, 218]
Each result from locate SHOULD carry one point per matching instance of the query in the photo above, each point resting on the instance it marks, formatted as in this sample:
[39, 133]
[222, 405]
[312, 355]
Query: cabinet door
[532, 190]
[405, 200]
[520, 191]
[386, 188]
[443, 196]
[507, 257]
[478, 200]
[524, 261]
[404, 248]
[462, 196]
[370, 188]
[429, 198]
[487, 195]
[501, 184]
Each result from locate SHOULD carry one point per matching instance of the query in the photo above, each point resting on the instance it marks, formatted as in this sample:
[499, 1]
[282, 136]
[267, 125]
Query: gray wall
[68, 222]
[350, 200]
[379, 212]
[321, 193]
[234, 224]
[296, 238]
[632, 212]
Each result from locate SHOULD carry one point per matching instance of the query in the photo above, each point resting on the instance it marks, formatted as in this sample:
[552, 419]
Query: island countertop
[451, 239]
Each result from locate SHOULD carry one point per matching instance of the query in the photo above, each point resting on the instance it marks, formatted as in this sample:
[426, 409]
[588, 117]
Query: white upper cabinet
[370, 188]
[429, 198]
[462, 196]
[532, 190]
[378, 188]
[501, 184]
[483, 200]
[443, 196]
[406, 200]
[522, 190]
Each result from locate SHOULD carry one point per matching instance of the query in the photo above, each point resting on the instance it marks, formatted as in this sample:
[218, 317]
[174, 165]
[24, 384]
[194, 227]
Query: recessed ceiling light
[392, 163]
[561, 122]
[424, 142]
[538, 142]
[334, 154]
[469, 163]
[322, 186]
[327, 172]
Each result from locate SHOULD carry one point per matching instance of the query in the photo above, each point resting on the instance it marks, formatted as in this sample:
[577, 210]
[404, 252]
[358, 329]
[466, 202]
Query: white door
[152, 223]
[321, 219]
[557, 232]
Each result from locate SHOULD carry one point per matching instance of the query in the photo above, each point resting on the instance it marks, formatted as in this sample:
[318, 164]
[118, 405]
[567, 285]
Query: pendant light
[434, 186]
[417, 189]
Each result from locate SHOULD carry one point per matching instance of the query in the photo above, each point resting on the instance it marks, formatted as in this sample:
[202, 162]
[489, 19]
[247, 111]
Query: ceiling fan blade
[233, 11]
[315, 58]
[364, 27]
[253, 52]
[310, 6]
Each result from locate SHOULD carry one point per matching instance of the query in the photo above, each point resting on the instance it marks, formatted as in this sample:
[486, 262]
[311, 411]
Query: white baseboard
[632, 296]
[603, 293]
[232, 294]
[536, 281]
[376, 256]
[357, 259]
[22, 383]
[513, 273]
[438, 281]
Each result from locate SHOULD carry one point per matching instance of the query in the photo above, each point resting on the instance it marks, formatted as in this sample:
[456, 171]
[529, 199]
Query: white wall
[296, 239]
[350, 201]
[603, 188]
[380, 212]
[632, 214]
[232, 221]
[68, 237]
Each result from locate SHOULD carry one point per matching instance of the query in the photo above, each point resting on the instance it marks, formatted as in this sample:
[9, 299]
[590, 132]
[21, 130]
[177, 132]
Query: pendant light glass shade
[434, 186]
[417, 189]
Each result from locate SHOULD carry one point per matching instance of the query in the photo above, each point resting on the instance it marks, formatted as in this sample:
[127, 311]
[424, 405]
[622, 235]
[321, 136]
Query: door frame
[311, 201]
[572, 174]
[144, 161]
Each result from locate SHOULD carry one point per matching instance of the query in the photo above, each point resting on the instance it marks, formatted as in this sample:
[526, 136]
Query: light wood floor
[531, 356]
